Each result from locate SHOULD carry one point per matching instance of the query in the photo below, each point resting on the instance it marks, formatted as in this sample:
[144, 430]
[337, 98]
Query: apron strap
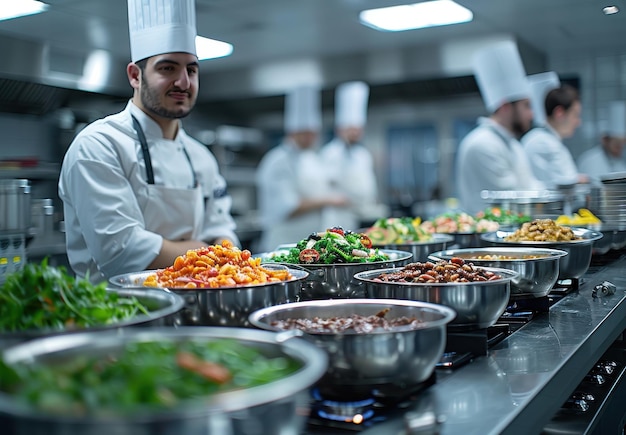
[145, 151]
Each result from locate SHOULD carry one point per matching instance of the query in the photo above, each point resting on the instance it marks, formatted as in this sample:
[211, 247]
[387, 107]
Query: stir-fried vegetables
[145, 375]
[496, 214]
[398, 230]
[45, 297]
[332, 246]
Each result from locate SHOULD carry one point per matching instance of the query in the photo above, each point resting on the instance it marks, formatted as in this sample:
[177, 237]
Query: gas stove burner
[520, 308]
[349, 411]
[566, 285]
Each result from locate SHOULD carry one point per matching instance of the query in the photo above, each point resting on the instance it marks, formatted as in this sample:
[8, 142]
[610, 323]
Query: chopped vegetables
[496, 214]
[44, 297]
[215, 266]
[144, 374]
[396, 230]
[458, 223]
[333, 246]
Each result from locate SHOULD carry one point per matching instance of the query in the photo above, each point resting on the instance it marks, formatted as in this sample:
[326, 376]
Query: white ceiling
[263, 30]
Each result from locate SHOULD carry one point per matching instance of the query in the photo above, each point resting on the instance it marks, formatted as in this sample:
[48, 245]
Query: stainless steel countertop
[524, 379]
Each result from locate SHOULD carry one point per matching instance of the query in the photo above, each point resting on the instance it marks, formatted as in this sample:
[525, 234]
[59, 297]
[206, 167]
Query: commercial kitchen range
[559, 369]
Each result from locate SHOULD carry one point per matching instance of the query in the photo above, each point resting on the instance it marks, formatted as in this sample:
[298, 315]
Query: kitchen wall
[602, 78]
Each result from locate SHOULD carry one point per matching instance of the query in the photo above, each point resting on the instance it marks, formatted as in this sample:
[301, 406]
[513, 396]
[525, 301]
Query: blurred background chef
[349, 163]
[556, 110]
[490, 157]
[293, 185]
[608, 156]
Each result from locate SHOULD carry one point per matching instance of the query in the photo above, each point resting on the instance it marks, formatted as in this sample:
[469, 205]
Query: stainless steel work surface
[523, 380]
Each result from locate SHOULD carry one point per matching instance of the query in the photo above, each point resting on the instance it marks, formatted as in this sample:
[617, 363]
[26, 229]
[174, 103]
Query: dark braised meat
[454, 270]
[354, 323]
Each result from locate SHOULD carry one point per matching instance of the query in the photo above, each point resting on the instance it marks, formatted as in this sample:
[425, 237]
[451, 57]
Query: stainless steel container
[279, 407]
[571, 266]
[380, 360]
[477, 304]
[421, 250]
[337, 280]
[225, 306]
[162, 306]
[14, 206]
[537, 268]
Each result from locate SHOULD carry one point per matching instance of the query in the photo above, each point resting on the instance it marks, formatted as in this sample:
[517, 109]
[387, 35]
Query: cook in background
[490, 157]
[556, 109]
[608, 156]
[138, 191]
[349, 163]
[292, 180]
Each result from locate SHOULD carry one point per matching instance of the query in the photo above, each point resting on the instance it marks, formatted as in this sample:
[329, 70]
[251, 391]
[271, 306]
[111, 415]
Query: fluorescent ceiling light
[610, 10]
[20, 8]
[416, 16]
[211, 48]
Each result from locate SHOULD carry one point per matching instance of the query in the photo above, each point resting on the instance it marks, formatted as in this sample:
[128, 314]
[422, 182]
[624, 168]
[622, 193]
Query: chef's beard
[519, 128]
[150, 100]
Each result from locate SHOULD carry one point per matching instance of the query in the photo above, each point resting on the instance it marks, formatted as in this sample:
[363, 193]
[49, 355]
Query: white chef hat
[500, 75]
[540, 85]
[617, 119]
[161, 26]
[351, 104]
[303, 109]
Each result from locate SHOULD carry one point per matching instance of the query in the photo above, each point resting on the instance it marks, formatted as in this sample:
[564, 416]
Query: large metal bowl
[571, 266]
[337, 280]
[477, 304]
[225, 306]
[421, 250]
[279, 407]
[162, 306]
[537, 268]
[384, 361]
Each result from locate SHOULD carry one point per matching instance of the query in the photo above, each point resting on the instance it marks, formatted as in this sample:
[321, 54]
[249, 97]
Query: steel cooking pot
[477, 304]
[279, 407]
[14, 206]
[225, 306]
[162, 306]
[337, 280]
[571, 266]
[381, 360]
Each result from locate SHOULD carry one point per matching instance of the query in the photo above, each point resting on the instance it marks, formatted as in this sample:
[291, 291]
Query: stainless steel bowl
[381, 360]
[163, 307]
[279, 407]
[477, 304]
[421, 250]
[537, 268]
[571, 266]
[337, 280]
[225, 306]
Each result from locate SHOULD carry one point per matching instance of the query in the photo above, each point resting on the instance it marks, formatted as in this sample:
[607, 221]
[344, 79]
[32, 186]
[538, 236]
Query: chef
[556, 110]
[293, 185]
[490, 157]
[137, 190]
[349, 163]
[607, 157]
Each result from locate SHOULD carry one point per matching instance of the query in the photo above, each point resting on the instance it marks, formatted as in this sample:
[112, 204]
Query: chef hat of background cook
[303, 109]
[351, 104]
[161, 26]
[617, 119]
[540, 85]
[500, 75]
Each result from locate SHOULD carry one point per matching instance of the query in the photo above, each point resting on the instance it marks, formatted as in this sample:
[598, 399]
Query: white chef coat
[490, 158]
[351, 171]
[550, 160]
[595, 162]
[285, 176]
[116, 221]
